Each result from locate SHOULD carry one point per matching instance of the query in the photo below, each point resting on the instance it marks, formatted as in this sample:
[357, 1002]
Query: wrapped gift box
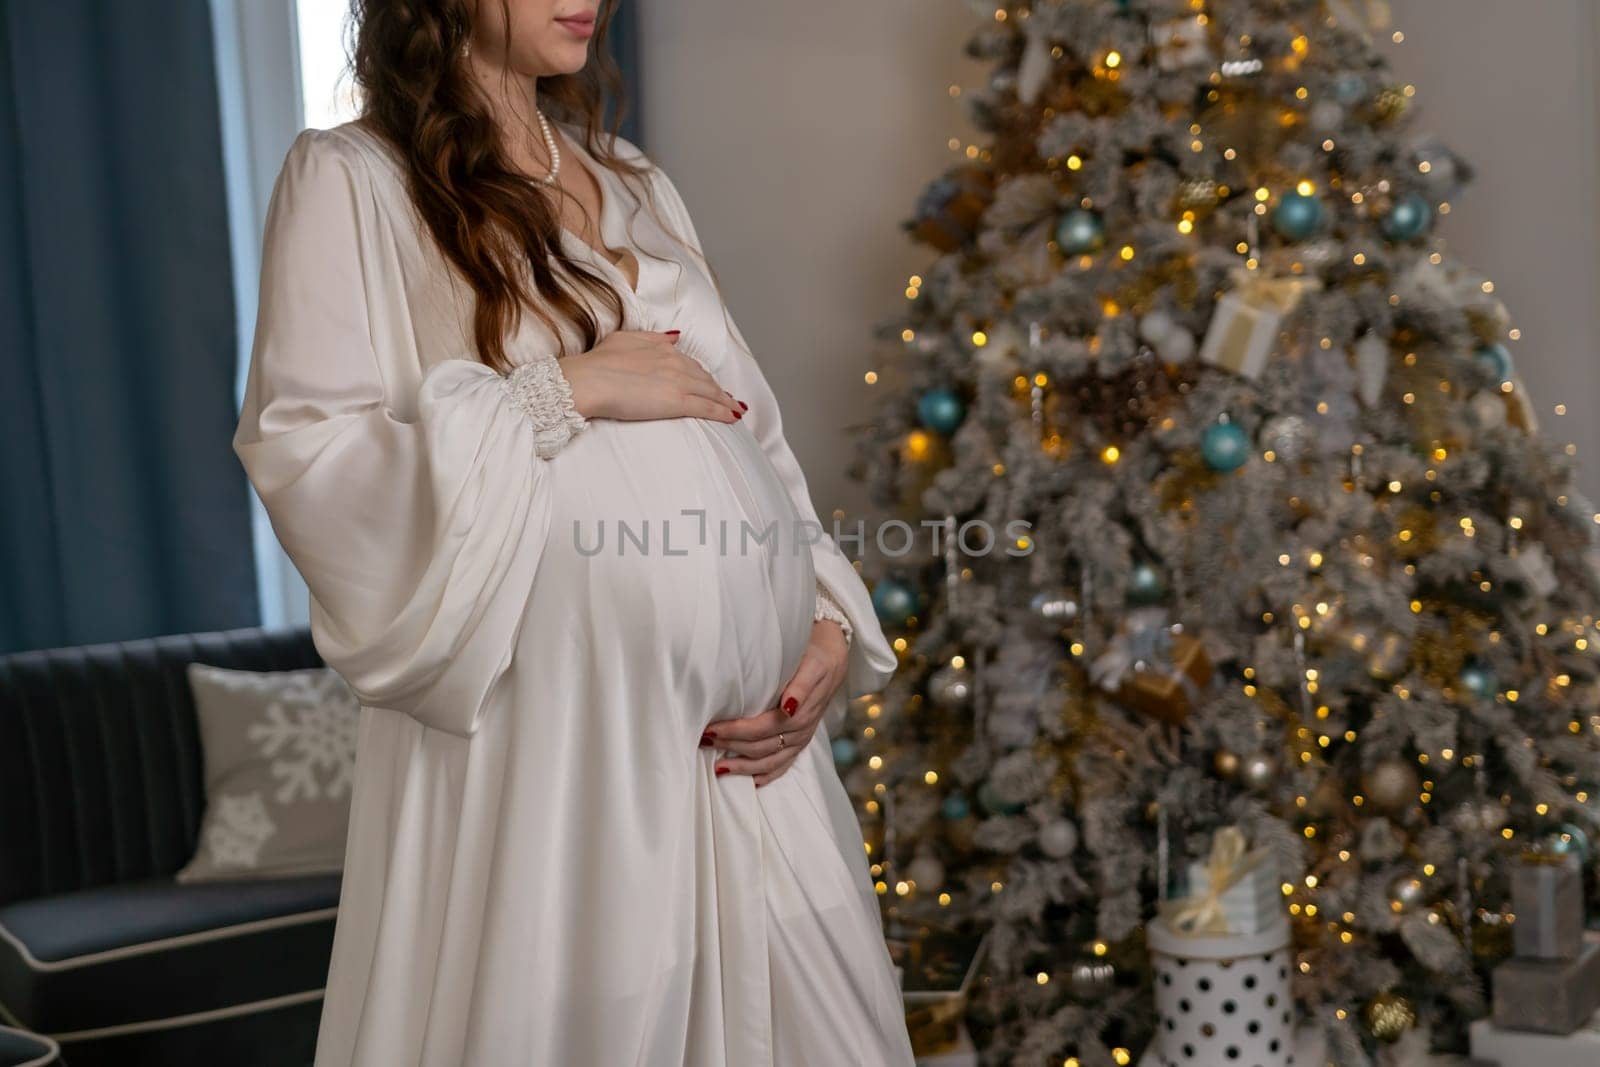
[1547, 896]
[1244, 326]
[1511, 1048]
[937, 967]
[1163, 691]
[1221, 999]
[1251, 904]
[960, 1052]
[1310, 1046]
[1548, 996]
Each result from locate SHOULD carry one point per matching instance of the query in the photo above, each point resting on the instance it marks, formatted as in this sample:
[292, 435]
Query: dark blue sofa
[101, 794]
[18, 1048]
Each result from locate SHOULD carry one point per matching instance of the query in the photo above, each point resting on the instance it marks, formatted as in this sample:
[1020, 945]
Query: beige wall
[801, 133]
[1511, 86]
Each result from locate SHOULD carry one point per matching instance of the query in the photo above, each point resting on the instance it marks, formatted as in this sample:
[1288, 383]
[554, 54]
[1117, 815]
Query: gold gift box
[1162, 693]
[937, 967]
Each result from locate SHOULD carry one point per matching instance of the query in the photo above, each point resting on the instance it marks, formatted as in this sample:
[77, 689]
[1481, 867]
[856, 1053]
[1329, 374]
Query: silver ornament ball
[1289, 437]
[926, 871]
[1258, 771]
[1392, 785]
[951, 687]
[1177, 346]
[1408, 892]
[1478, 817]
[1058, 839]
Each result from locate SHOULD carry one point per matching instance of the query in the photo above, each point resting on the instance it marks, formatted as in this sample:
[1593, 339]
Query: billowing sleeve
[871, 661]
[418, 538]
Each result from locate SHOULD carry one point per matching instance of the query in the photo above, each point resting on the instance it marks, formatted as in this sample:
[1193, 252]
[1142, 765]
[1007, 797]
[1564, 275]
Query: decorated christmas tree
[1219, 502]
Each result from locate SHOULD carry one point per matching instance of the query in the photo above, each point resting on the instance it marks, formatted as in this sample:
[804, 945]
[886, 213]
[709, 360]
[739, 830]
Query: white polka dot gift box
[1222, 995]
[1225, 1000]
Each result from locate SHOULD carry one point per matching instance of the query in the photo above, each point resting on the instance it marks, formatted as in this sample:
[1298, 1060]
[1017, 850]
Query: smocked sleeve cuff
[540, 390]
[829, 608]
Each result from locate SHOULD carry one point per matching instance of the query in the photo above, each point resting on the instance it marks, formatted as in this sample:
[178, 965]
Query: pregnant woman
[557, 543]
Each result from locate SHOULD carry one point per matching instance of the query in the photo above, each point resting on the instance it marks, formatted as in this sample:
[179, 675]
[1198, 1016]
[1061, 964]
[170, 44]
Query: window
[328, 94]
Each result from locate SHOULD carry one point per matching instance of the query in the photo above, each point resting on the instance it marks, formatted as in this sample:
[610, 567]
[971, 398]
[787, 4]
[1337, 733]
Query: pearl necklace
[555, 150]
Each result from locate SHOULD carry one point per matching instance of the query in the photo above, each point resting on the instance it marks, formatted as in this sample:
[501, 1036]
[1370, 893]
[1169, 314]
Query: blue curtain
[125, 512]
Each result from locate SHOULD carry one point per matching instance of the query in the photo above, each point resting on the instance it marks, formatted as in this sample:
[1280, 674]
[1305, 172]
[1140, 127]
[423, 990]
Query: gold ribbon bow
[1282, 292]
[1537, 857]
[1202, 913]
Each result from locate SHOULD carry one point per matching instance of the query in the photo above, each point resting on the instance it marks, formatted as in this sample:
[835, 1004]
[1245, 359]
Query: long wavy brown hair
[491, 223]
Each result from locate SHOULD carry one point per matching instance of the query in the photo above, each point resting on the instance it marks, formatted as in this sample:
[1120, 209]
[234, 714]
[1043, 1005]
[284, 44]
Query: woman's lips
[582, 25]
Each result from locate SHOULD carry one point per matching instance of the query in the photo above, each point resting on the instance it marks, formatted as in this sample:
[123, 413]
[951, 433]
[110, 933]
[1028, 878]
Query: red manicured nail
[673, 333]
[790, 705]
[738, 414]
[722, 770]
[742, 404]
[706, 739]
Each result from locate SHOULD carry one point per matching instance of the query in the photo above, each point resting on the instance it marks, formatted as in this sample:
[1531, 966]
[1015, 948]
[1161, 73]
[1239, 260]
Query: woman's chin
[567, 58]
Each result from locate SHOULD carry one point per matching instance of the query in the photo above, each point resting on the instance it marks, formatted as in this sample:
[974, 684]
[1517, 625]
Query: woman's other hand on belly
[767, 744]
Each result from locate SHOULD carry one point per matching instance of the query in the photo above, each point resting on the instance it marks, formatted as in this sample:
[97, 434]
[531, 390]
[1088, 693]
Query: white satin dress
[542, 867]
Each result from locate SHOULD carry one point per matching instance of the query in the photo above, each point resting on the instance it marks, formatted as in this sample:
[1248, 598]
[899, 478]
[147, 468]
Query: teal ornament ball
[1349, 88]
[1409, 218]
[894, 601]
[991, 803]
[1495, 359]
[1145, 584]
[845, 751]
[1479, 681]
[1571, 839]
[1080, 231]
[1224, 447]
[1298, 216]
[955, 806]
[941, 411]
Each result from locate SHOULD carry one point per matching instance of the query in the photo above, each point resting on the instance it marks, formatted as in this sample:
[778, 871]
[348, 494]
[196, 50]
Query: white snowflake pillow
[280, 751]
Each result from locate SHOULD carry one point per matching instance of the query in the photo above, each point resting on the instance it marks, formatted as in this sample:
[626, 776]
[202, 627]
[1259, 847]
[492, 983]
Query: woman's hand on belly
[754, 739]
[640, 374]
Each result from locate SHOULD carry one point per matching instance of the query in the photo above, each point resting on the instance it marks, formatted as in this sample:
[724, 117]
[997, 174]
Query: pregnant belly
[679, 543]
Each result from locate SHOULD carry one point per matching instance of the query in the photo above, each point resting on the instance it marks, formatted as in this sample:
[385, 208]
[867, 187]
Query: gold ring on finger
[782, 741]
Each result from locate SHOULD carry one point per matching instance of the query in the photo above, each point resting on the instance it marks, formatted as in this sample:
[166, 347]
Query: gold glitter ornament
[1391, 103]
[1389, 1016]
[1196, 194]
